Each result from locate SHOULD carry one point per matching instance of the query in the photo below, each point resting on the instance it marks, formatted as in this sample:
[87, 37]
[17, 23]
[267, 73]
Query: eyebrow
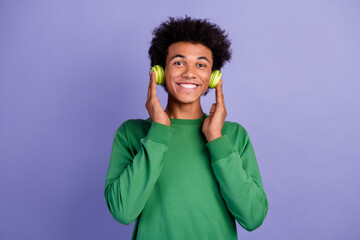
[182, 56]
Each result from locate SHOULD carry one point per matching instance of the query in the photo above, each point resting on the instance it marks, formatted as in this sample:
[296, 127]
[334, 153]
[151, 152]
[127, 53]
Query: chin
[186, 100]
[187, 97]
[183, 98]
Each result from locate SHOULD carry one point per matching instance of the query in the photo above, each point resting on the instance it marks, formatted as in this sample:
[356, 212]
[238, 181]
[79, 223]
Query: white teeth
[188, 85]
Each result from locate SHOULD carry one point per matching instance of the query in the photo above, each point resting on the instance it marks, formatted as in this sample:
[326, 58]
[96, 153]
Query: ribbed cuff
[160, 133]
[219, 148]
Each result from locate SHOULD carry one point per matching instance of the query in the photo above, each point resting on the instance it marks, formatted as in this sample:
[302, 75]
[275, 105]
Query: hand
[153, 106]
[214, 123]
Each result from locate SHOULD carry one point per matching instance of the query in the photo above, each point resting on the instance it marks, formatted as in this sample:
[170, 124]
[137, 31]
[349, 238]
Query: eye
[178, 63]
[201, 65]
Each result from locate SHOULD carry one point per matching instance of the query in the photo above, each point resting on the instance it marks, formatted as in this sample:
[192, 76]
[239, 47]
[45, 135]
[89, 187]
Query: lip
[187, 90]
[188, 83]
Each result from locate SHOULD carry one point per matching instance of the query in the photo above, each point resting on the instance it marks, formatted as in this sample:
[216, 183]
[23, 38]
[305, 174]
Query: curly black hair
[189, 30]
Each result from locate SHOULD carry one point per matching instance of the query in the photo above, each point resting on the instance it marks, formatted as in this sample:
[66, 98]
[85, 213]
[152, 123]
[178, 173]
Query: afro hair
[189, 30]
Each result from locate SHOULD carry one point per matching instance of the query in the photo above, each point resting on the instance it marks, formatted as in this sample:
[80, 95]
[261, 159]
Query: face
[188, 71]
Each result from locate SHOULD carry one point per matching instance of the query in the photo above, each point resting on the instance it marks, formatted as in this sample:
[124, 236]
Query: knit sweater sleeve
[238, 175]
[131, 177]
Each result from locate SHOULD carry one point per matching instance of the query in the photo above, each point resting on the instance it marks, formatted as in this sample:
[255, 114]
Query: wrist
[213, 137]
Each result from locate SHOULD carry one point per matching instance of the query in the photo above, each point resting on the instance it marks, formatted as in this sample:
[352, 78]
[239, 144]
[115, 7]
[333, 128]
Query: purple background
[72, 71]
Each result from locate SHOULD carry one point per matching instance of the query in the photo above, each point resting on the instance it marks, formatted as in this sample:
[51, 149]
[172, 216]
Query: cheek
[168, 79]
[171, 74]
[206, 78]
[168, 74]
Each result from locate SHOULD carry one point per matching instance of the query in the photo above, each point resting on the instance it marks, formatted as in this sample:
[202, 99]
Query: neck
[178, 110]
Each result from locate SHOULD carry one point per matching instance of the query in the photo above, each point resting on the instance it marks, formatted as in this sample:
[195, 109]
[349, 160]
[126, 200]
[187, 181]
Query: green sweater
[176, 185]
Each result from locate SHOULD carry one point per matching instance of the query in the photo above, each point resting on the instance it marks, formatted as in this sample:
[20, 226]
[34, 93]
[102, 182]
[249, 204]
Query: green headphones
[160, 76]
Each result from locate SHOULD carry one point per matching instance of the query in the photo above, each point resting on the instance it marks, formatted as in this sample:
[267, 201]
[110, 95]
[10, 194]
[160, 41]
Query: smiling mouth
[188, 86]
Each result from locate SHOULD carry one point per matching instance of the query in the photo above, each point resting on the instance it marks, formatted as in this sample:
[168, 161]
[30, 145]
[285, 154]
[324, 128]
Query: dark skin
[187, 63]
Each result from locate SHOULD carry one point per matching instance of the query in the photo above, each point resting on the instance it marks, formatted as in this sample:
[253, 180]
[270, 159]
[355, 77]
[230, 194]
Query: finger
[219, 93]
[153, 84]
[212, 109]
[148, 92]
[152, 74]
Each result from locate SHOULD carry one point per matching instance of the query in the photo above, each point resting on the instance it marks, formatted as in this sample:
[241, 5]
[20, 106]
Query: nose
[189, 72]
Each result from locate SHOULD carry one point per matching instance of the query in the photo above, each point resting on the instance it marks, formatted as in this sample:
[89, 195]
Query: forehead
[189, 50]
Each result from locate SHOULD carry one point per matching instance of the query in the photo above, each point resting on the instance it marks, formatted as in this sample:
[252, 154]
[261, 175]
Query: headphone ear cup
[160, 74]
[214, 78]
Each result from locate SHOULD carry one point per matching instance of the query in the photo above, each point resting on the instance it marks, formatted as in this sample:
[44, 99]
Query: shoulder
[236, 134]
[137, 128]
[234, 127]
[135, 123]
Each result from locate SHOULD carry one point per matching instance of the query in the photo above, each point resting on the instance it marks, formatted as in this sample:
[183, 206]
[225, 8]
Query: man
[183, 174]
